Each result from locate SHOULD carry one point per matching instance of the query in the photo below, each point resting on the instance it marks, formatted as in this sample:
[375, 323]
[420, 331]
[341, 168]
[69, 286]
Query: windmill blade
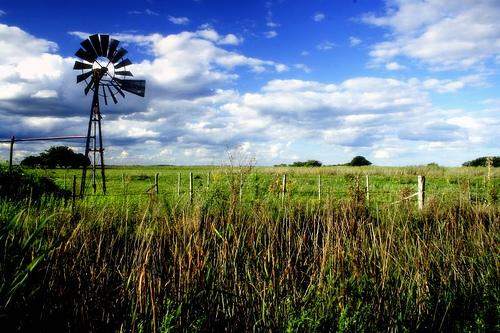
[136, 87]
[81, 65]
[113, 44]
[105, 97]
[96, 43]
[125, 62]
[104, 45]
[119, 54]
[87, 46]
[124, 73]
[112, 95]
[118, 89]
[89, 86]
[83, 76]
[82, 54]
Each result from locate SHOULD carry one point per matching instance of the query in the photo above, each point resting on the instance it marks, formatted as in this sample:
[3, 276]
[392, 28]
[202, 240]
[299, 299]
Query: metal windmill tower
[104, 70]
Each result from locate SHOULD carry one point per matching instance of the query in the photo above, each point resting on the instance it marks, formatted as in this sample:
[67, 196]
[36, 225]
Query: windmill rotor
[103, 56]
[103, 69]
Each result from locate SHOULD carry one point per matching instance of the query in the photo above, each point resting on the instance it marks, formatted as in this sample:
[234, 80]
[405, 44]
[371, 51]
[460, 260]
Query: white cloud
[445, 34]
[303, 67]
[318, 17]
[144, 12]
[270, 34]
[394, 66]
[325, 46]
[2, 12]
[354, 41]
[191, 112]
[45, 94]
[178, 20]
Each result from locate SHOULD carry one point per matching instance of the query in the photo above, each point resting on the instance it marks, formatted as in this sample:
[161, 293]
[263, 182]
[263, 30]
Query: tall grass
[161, 264]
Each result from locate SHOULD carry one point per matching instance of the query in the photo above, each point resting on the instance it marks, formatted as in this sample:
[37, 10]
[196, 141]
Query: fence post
[319, 187]
[283, 188]
[367, 189]
[178, 184]
[73, 194]
[156, 183]
[11, 152]
[191, 187]
[208, 179]
[421, 192]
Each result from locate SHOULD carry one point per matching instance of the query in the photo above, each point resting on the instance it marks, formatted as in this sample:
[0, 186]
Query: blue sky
[400, 82]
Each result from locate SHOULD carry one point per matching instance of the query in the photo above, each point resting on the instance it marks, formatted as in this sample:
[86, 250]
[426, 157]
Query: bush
[359, 161]
[483, 161]
[20, 184]
[309, 163]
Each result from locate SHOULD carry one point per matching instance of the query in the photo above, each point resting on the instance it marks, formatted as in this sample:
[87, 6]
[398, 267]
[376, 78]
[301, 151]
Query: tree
[482, 161]
[59, 156]
[359, 161]
[32, 162]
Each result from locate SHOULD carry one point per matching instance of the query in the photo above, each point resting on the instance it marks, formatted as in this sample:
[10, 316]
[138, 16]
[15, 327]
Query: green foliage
[59, 156]
[482, 162]
[308, 163]
[20, 184]
[359, 161]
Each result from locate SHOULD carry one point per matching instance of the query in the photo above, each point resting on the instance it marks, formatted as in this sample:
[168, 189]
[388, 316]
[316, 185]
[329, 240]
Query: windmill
[104, 71]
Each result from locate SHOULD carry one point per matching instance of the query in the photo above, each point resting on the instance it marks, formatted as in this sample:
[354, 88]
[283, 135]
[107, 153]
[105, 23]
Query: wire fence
[253, 186]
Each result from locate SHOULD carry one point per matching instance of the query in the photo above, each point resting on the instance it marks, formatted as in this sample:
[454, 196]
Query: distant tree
[359, 161]
[59, 156]
[309, 163]
[482, 161]
[33, 162]
[433, 165]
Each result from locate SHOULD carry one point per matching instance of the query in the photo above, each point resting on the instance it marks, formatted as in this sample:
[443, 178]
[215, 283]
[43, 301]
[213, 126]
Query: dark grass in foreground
[160, 265]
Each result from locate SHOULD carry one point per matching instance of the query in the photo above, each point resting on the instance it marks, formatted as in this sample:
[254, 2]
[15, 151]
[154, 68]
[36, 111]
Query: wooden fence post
[421, 192]
[208, 179]
[73, 194]
[367, 189]
[319, 187]
[191, 187]
[283, 188]
[179, 184]
[156, 183]
[11, 152]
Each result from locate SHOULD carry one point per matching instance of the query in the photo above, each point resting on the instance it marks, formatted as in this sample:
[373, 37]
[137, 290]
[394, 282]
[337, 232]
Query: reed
[163, 264]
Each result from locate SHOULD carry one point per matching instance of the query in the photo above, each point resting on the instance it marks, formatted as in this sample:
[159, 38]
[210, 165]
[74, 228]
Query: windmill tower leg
[95, 119]
[101, 153]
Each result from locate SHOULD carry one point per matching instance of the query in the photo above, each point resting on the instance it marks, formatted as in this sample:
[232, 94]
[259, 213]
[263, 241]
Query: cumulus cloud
[179, 20]
[270, 34]
[192, 112]
[445, 34]
[354, 41]
[325, 46]
[318, 17]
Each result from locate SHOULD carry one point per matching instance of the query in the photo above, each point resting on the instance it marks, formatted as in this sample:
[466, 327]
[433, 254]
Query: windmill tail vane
[103, 69]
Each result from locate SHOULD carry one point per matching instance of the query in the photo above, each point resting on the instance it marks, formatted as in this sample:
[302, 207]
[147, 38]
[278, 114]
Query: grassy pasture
[386, 184]
[146, 263]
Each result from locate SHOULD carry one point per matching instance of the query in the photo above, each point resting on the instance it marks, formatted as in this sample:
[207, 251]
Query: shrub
[20, 184]
[309, 163]
[359, 161]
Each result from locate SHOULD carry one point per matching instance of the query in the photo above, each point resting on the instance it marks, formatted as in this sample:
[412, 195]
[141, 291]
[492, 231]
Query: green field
[241, 257]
